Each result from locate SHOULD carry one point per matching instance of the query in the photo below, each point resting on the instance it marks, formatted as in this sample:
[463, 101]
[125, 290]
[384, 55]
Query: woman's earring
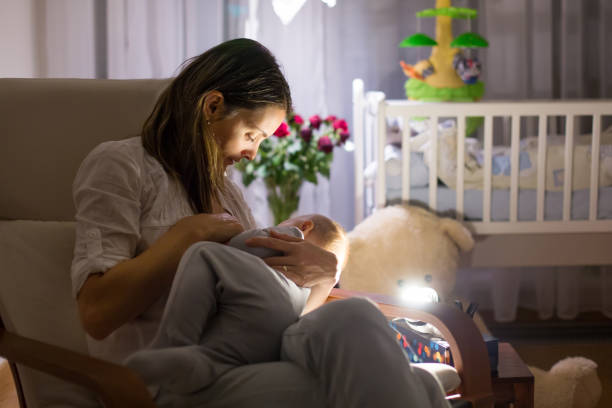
[208, 122]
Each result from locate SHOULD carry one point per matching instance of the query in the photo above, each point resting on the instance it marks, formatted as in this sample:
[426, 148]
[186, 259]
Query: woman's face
[240, 134]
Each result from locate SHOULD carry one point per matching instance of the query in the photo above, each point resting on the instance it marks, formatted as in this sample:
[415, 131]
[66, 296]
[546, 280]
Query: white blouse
[124, 201]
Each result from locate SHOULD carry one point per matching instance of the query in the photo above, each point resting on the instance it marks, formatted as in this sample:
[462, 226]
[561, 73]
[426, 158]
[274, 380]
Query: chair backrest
[47, 127]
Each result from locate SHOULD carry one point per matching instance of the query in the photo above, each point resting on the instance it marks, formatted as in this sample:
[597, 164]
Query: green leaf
[240, 166]
[250, 166]
[261, 172]
[247, 179]
[292, 167]
[310, 176]
[418, 40]
[469, 40]
[278, 160]
[294, 147]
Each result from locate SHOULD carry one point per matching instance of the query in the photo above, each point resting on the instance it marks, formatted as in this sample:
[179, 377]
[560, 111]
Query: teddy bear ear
[458, 233]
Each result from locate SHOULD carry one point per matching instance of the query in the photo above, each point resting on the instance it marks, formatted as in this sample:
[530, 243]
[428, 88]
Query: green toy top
[454, 12]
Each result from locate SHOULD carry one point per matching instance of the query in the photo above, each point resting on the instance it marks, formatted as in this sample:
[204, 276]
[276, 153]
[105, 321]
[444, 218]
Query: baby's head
[323, 232]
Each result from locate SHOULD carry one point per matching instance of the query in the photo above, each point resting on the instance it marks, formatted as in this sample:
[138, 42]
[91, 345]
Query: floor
[542, 343]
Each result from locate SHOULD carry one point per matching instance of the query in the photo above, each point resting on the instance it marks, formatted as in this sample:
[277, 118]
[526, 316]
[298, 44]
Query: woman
[141, 202]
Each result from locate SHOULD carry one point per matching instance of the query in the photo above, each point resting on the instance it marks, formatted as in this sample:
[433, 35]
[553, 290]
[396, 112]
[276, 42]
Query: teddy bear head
[570, 383]
[404, 246]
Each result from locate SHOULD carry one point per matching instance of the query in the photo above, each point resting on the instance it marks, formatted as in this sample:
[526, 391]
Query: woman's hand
[304, 263]
[208, 227]
[107, 301]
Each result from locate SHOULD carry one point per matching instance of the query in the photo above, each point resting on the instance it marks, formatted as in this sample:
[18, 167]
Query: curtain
[105, 38]
[538, 49]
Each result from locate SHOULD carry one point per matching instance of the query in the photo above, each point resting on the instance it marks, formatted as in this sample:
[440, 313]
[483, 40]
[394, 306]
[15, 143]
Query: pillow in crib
[419, 172]
[473, 173]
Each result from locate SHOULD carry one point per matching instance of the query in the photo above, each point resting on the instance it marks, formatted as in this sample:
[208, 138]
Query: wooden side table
[513, 384]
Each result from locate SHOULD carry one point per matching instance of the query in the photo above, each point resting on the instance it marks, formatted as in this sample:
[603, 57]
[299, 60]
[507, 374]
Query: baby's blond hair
[330, 235]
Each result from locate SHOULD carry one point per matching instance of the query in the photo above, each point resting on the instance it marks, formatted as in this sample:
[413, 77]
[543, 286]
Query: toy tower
[451, 72]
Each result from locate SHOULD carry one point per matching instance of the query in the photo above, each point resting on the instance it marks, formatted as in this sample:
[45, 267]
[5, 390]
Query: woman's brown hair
[176, 132]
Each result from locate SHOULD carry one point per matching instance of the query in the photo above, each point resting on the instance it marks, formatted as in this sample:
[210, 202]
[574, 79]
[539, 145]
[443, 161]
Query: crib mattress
[500, 203]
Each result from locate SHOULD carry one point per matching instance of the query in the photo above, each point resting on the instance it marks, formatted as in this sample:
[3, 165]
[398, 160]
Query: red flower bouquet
[298, 152]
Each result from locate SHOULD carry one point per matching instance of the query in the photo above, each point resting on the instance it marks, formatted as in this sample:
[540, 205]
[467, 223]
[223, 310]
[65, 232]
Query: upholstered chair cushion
[36, 255]
[49, 125]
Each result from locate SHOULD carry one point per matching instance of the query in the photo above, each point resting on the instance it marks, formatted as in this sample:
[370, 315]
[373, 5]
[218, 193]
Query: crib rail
[367, 151]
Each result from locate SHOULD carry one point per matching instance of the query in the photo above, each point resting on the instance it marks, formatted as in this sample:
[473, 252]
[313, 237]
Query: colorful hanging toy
[451, 72]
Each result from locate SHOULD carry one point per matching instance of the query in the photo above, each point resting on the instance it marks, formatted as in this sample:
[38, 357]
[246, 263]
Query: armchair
[47, 127]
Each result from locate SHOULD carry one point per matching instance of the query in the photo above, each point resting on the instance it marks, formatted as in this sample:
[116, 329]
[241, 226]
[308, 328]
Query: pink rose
[325, 144]
[343, 138]
[330, 118]
[306, 134]
[340, 124]
[315, 121]
[282, 131]
[297, 119]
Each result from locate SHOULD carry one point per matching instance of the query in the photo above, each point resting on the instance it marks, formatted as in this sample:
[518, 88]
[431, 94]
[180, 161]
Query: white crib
[507, 242]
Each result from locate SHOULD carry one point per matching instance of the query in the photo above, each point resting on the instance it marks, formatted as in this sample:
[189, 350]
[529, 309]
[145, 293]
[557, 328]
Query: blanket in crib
[528, 160]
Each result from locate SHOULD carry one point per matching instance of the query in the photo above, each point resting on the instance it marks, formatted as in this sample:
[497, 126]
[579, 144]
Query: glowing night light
[416, 294]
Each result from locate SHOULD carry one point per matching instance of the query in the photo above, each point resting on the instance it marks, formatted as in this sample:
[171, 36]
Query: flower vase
[283, 198]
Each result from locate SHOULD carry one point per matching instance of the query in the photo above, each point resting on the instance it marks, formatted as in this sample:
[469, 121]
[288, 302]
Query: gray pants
[343, 354]
[226, 308]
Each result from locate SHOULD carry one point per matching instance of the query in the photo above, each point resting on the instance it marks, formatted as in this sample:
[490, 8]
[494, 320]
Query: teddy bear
[402, 246]
[570, 383]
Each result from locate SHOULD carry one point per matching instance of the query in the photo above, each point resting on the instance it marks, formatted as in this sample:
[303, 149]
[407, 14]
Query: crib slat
[372, 100]
[460, 165]
[541, 188]
[595, 167]
[568, 172]
[488, 168]
[381, 141]
[406, 158]
[514, 166]
[358, 110]
[433, 167]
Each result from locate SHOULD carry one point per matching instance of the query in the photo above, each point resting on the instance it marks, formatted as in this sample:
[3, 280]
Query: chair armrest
[470, 356]
[116, 385]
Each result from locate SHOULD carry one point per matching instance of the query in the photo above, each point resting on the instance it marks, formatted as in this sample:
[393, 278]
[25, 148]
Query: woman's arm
[306, 264]
[107, 301]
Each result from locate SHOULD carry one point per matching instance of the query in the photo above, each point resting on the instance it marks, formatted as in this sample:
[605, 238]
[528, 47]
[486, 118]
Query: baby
[227, 308]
